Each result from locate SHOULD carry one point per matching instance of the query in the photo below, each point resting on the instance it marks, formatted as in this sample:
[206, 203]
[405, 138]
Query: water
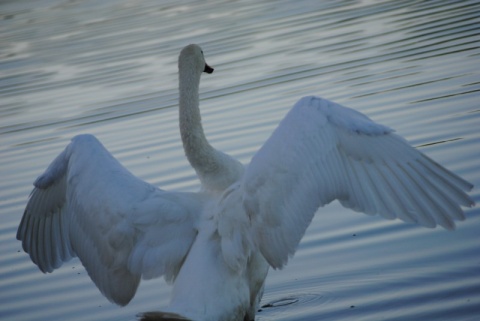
[109, 68]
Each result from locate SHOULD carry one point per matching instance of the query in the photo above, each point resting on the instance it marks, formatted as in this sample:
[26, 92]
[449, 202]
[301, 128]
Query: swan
[217, 245]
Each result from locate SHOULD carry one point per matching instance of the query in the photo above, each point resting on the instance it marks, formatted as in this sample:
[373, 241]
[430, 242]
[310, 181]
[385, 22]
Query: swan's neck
[197, 149]
[215, 169]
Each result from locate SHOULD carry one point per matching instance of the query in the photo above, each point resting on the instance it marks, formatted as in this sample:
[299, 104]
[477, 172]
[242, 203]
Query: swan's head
[191, 59]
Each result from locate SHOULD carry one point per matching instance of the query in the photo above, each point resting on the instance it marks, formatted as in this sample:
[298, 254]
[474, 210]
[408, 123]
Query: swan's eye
[201, 51]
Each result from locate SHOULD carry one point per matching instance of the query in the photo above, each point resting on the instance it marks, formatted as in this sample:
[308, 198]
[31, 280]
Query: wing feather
[87, 204]
[323, 151]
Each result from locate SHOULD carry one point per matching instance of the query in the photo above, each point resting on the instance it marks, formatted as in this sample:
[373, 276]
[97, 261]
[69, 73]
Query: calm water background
[109, 68]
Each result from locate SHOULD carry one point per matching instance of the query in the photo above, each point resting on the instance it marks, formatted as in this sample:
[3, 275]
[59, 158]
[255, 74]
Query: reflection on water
[109, 68]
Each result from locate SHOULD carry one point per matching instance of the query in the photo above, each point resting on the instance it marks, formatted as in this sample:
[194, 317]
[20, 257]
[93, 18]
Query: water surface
[109, 68]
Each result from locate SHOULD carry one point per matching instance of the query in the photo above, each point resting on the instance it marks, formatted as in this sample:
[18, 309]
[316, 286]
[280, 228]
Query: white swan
[216, 245]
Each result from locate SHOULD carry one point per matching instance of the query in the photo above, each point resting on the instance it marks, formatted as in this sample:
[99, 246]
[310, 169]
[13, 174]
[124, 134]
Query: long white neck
[215, 169]
[199, 152]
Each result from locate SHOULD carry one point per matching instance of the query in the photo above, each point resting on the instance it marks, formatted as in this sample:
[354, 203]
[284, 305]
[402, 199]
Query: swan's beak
[208, 69]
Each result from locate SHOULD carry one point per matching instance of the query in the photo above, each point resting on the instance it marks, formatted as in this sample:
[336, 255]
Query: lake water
[109, 68]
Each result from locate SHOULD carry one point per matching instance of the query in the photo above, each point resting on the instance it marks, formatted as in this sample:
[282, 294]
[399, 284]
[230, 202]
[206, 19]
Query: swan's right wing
[87, 204]
[322, 151]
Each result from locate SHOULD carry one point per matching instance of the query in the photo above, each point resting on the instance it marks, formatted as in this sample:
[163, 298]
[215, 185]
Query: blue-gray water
[109, 68]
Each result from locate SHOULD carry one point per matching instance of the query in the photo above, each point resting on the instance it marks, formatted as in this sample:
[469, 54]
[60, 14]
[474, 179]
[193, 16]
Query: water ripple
[109, 68]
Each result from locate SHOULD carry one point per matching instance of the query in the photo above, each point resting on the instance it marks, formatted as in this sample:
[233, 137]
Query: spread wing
[87, 204]
[323, 151]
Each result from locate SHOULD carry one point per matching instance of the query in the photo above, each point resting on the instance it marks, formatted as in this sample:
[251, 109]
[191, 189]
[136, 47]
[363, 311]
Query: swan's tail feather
[160, 316]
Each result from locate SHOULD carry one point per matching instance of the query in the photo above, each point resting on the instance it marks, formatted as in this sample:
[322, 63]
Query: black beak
[208, 69]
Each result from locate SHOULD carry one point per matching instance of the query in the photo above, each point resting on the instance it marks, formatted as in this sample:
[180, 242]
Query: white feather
[322, 151]
[87, 205]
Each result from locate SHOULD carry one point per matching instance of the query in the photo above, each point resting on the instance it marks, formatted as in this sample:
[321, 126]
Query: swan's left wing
[87, 204]
[323, 151]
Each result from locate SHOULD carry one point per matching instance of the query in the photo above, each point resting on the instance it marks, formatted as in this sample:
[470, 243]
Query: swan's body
[217, 245]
